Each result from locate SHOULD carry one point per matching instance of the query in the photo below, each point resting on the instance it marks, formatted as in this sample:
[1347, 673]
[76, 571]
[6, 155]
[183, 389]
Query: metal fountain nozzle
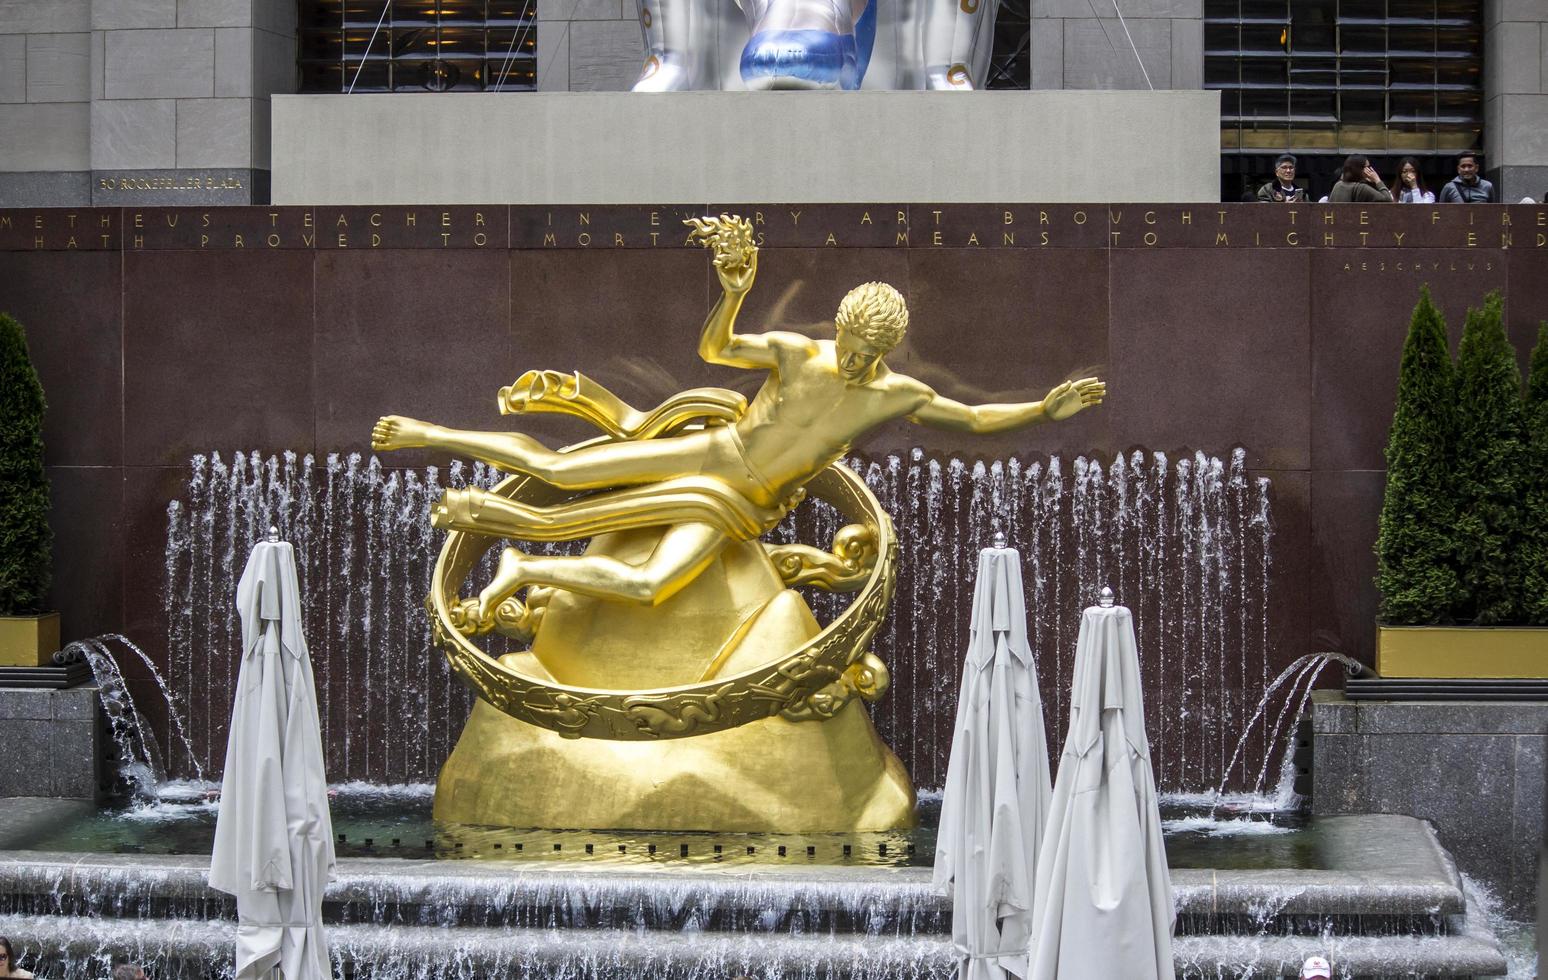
[1105, 598]
[273, 534]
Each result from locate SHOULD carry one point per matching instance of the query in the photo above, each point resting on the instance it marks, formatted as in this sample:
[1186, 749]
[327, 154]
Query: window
[418, 45]
[1346, 76]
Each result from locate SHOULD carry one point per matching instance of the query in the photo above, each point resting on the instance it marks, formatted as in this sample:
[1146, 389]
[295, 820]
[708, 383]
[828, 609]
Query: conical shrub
[24, 532]
[1532, 555]
[1417, 576]
[1490, 454]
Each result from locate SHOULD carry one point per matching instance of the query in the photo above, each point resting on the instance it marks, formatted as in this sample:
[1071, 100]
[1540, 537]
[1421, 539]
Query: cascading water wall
[1184, 543]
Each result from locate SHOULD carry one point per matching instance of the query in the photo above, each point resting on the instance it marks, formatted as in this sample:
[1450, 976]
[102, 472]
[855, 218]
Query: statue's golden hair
[874, 312]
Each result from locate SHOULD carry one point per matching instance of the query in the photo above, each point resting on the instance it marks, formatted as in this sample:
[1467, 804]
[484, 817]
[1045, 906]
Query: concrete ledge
[795, 147]
[53, 742]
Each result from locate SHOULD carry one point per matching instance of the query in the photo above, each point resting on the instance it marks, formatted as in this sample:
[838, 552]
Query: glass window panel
[1362, 39]
[364, 13]
[1219, 71]
[1264, 103]
[316, 45]
[369, 76]
[1314, 106]
[322, 77]
[419, 45]
[1265, 72]
[1222, 37]
[1415, 10]
[1412, 107]
[1358, 10]
[1362, 107]
[1411, 71]
[1214, 9]
[410, 12]
[1265, 38]
[1265, 10]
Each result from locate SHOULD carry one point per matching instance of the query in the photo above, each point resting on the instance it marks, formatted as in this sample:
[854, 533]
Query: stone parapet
[1473, 769]
[53, 741]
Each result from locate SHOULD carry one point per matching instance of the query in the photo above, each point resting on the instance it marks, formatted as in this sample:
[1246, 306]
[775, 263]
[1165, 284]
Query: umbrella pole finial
[273, 534]
[1105, 598]
[999, 539]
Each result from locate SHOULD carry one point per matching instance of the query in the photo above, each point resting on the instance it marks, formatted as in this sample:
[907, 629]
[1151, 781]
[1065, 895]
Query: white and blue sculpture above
[815, 44]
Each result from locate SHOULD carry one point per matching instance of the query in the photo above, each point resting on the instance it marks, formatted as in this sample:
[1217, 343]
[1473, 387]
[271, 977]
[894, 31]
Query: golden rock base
[765, 776]
[1462, 651]
[28, 641]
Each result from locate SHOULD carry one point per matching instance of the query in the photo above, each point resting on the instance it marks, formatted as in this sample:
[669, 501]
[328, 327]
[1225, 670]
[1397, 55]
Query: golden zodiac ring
[808, 684]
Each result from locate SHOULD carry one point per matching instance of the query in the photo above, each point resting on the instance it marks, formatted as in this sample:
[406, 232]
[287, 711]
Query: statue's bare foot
[506, 582]
[396, 432]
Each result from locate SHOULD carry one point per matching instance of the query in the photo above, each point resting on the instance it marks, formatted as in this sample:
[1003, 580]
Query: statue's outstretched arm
[1062, 402]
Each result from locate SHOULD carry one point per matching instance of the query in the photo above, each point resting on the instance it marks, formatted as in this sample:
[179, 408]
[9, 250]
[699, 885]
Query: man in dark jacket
[1467, 187]
[1282, 189]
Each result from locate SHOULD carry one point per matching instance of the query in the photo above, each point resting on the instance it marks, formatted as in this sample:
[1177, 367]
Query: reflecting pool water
[396, 821]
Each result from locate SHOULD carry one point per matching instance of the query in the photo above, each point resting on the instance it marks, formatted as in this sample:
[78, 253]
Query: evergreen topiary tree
[1490, 455]
[1532, 555]
[24, 530]
[1417, 575]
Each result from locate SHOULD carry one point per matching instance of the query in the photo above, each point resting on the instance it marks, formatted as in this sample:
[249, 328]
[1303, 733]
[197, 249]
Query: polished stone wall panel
[1361, 304]
[75, 337]
[217, 353]
[87, 518]
[1210, 351]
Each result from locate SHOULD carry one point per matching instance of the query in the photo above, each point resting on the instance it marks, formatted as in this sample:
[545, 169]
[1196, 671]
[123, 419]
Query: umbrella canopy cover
[997, 791]
[1104, 898]
[274, 836]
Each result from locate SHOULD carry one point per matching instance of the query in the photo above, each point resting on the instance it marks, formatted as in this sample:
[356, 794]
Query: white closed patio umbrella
[274, 836]
[997, 794]
[1104, 897]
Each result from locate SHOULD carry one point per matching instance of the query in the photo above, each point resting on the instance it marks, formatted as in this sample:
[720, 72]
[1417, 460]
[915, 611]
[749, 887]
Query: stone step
[78, 948]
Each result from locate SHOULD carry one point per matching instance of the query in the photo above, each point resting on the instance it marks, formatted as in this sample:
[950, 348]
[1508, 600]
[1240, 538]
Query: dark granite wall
[161, 333]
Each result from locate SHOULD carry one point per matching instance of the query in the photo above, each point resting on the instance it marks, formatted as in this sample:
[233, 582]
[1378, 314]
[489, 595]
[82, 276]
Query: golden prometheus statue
[675, 679]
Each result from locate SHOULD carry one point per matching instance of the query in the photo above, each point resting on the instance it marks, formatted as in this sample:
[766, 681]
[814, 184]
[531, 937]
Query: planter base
[28, 641]
[1462, 651]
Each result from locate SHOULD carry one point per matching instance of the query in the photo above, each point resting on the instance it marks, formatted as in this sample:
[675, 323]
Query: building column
[1516, 97]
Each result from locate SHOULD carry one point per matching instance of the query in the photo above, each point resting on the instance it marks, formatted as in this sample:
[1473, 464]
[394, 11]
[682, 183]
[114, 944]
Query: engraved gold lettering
[273, 240]
[972, 238]
[480, 239]
[37, 242]
[1150, 238]
[343, 240]
[307, 240]
[655, 219]
[902, 238]
[653, 236]
[1115, 236]
[618, 240]
[1504, 217]
[1042, 217]
[1222, 215]
[585, 217]
[273, 219]
[548, 240]
[1293, 213]
[1008, 238]
[1080, 217]
[865, 218]
[172, 219]
[1115, 217]
[411, 219]
[70, 243]
[1328, 217]
[831, 240]
[478, 219]
[1505, 239]
[1365, 217]
[1327, 238]
[139, 241]
[1434, 217]
[935, 238]
[1292, 238]
[306, 220]
[1398, 236]
[1472, 239]
[5, 221]
[1150, 217]
[445, 219]
[71, 218]
[342, 222]
[795, 217]
[937, 217]
[1187, 217]
[106, 221]
[1044, 237]
[204, 240]
[445, 238]
[1363, 236]
[583, 239]
[1010, 218]
[376, 240]
[139, 220]
[758, 217]
[375, 219]
[1221, 238]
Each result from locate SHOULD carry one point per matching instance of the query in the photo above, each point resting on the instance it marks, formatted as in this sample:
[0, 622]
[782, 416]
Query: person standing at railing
[1359, 184]
[1409, 187]
[1467, 187]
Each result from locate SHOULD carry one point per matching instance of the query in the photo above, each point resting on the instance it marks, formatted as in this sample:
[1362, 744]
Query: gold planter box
[28, 641]
[1462, 651]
